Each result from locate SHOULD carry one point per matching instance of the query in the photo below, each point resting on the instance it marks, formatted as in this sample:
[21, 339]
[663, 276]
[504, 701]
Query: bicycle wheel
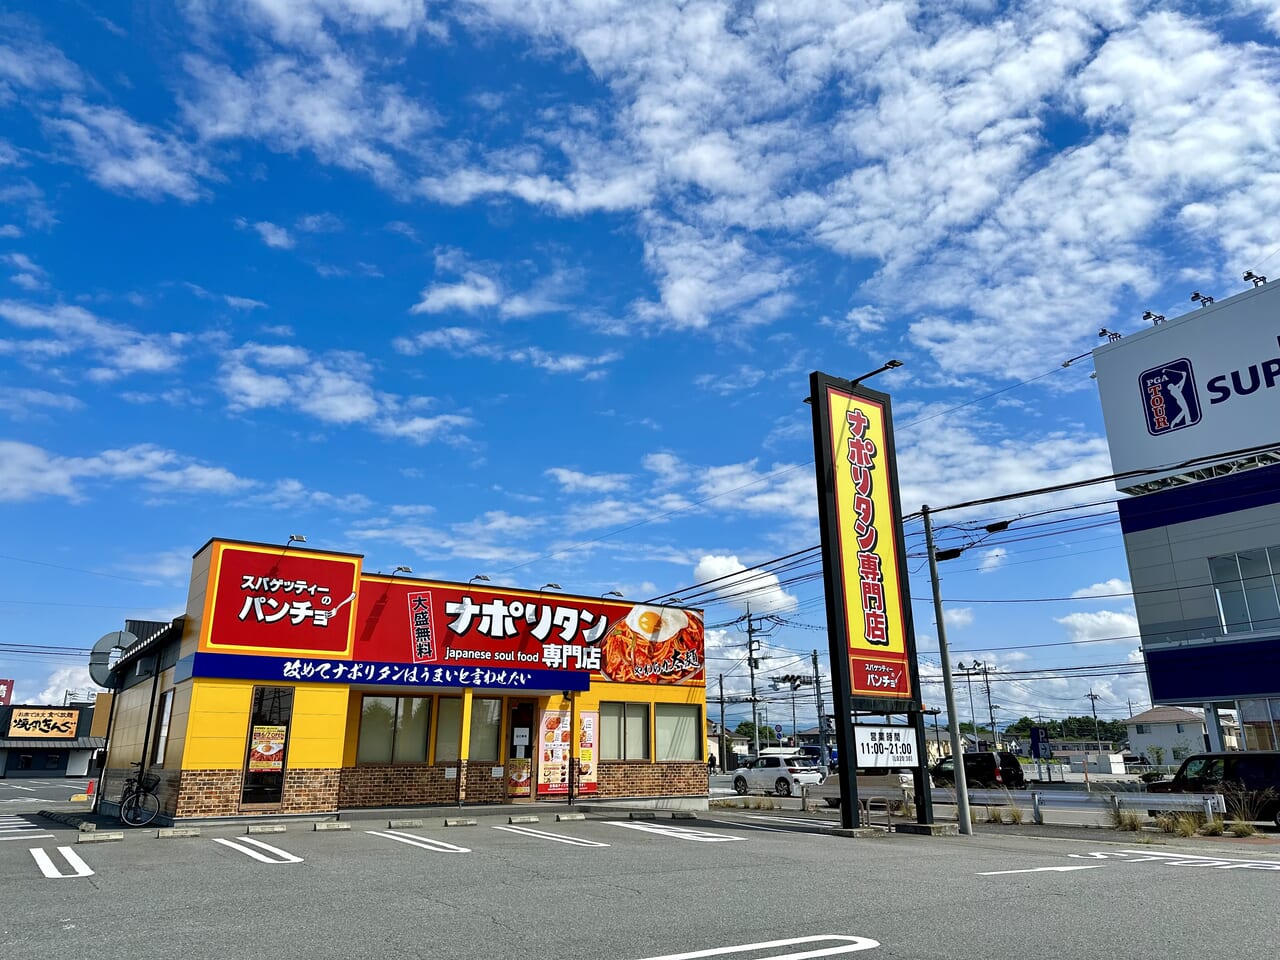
[139, 809]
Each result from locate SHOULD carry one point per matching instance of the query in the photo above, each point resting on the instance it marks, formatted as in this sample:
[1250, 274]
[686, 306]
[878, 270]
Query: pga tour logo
[1169, 397]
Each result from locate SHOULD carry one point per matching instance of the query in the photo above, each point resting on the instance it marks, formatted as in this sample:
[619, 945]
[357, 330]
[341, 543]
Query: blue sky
[533, 290]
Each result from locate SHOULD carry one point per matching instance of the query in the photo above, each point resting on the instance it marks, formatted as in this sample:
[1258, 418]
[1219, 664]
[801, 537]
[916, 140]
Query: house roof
[1166, 715]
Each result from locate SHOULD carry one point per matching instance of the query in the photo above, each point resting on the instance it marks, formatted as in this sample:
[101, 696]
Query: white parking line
[676, 833]
[1179, 860]
[802, 821]
[17, 787]
[439, 846]
[238, 845]
[739, 825]
[557, 837]
[843, 945]
[45, 862]
[28, 836]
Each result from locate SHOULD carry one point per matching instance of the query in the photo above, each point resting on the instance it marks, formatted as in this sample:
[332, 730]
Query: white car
[781, 775]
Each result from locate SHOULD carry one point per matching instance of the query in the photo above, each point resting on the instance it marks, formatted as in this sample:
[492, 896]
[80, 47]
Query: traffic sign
[777, 728]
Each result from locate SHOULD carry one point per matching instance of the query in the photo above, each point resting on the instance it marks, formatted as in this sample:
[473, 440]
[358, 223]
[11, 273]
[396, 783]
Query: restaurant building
[296, 683]
[40, 740]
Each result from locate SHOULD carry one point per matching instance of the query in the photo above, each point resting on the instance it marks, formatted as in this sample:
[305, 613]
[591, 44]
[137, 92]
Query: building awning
[80, 743]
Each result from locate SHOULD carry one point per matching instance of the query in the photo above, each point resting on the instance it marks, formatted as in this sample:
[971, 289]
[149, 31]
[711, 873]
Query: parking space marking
[676, 833]
[15, 786]
[46, 865]
[1179, 860]
[842, 945]
[1000, 873]
[818, 822]
[557, 837]
[439, 846]
[280, 856]
[751, 826]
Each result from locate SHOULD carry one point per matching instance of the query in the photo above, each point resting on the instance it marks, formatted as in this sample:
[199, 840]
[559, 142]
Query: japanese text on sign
[862, 461]
[43, 723]
[884, 746]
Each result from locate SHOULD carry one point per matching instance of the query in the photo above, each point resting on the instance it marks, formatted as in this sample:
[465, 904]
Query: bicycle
[138, 803]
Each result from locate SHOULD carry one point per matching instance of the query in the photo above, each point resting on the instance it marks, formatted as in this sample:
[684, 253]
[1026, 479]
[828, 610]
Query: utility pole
[751, 665]
[721, 758]
[968, 679]
[957, 760]
[1093, 702]
[823, 753]
[991, 713]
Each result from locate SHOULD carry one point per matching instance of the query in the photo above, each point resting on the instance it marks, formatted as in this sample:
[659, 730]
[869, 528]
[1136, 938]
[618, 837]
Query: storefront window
[413, 715]
[1256, 724]
[624, 731]
[377, 726]
[269, 720]
[162, 728]
[486, 730]
[676, 728]
[1245, 585]
[449, 730]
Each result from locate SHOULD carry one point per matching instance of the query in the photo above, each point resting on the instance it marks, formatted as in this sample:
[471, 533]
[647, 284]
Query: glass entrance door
[521, 743]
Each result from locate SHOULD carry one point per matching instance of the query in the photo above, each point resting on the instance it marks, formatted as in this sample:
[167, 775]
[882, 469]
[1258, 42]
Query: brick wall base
[639, 778]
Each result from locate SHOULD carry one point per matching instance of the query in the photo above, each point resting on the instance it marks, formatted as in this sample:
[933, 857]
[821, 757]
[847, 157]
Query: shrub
[994, 815]
[1241, 828]
[1214, 828]
[1151, 776]
[1013, 810]
[1167, 822]
[1245, 805]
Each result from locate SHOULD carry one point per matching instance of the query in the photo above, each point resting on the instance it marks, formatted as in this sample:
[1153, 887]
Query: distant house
[1165, 735]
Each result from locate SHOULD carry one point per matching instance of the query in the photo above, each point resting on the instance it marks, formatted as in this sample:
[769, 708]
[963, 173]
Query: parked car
[783, 775]
[890, 783]
[1253, 772]
[986, 768]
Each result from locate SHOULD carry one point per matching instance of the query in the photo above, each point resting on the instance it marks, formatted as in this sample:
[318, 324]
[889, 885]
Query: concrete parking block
[562, 817]
[642, 815]
[459, 821]
[331, 825]
[526, 819]
[166, 833]
[401, 824]
[266, 828]
[100, 836]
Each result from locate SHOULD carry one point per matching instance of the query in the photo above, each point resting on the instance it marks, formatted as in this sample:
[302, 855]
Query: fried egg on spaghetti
[654, 645]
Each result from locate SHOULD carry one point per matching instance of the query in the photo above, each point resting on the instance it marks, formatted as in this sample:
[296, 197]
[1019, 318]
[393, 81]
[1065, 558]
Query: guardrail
[1210, 804]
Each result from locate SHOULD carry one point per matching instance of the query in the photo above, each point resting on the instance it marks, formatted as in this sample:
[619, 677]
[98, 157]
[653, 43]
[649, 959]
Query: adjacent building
[42, 740]
[298, 683]
[1191, 406]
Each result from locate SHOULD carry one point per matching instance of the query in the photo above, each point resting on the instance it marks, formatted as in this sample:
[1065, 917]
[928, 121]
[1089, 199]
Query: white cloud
[1108, 589]
[1102, 626]
[760, 590]
[574, 481]
[22, 402]
[128, 157]
[319, 223]
[28, 472]
[470, 294]
[75, 680]
[243, 303]
[10, 231]
[117, 349]
[459, 341]
[273, 235]
[958, 617]
[992, 559]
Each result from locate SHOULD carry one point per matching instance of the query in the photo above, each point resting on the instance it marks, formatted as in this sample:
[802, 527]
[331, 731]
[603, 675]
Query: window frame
[164, 715]
[625, 751]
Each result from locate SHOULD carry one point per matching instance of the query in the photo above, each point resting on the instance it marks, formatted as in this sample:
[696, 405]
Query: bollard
[89, 789]
[1037, 813]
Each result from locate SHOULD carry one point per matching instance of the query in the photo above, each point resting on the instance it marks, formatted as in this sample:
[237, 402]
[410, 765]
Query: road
[17, 792]
[612, 888]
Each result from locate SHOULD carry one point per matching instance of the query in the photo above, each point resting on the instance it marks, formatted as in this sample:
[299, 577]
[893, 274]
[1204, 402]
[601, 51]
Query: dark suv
[986, 768]
[1255, 772]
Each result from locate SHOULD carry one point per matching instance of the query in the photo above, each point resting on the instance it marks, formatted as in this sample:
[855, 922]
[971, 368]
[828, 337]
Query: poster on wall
[554, 731]
[266, 748]
[519, 778]
[590, 723]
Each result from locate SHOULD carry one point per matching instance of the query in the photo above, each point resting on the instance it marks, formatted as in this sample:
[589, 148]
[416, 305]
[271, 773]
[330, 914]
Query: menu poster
[518, 777]
[552, 748]
[588, 723]
[266, 748]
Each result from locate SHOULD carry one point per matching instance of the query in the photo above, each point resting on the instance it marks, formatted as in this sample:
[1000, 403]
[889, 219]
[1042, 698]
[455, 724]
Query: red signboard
[6, 692]
[453, 625]
[272, 599]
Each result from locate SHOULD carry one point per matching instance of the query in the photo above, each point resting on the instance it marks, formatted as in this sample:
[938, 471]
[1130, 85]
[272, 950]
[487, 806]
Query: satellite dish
[100, 655]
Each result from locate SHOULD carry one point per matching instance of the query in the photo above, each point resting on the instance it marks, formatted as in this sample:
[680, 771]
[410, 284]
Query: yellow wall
[197, 596]
[218, 725]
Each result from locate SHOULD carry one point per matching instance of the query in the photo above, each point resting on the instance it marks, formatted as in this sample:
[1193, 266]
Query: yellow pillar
[464, 747]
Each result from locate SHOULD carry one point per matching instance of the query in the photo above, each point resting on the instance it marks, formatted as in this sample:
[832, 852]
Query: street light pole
[957, 759]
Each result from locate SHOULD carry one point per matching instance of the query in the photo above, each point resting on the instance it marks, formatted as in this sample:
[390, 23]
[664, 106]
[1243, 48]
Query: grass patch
[1167, 822]
[1128, 820]
[1214, 828]
[994, 815]
[1014, 812]
[1241, 828]
[1185, 826]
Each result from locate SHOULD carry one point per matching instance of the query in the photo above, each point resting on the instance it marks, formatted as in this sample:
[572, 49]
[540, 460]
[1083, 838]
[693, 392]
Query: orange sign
[29, 724]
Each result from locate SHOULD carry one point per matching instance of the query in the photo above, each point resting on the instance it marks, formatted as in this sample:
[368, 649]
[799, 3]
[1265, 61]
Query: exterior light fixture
[478, 576]
[402, 570]
[553, 586]
[612, 593]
